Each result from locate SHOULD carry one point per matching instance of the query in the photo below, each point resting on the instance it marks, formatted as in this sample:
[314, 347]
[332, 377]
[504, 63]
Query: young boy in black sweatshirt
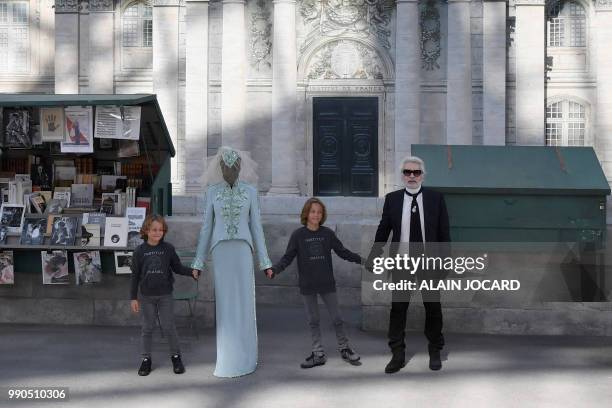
[312, 244]
[153, 262]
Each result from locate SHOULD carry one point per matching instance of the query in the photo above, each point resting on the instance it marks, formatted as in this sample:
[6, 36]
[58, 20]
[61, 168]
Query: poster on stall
[113, 122]
[78, 130]
[52, 124]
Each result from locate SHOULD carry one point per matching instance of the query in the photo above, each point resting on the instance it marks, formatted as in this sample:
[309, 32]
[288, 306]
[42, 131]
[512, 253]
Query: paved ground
[99, 364]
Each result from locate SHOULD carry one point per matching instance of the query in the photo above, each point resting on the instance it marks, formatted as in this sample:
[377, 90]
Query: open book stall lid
[151, 112]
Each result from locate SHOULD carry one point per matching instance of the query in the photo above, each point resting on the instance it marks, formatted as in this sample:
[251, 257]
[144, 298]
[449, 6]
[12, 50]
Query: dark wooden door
[345, 146]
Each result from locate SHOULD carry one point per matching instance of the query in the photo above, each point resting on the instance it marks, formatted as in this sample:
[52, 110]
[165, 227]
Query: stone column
[494, 72]
[47, 37]
[407, 81]
[166, 69]
[101, 47]
[603, 63]
[530, 54]
[459, 74]
[196, 93]
[233, 76]
[284, 79]
[66, 47]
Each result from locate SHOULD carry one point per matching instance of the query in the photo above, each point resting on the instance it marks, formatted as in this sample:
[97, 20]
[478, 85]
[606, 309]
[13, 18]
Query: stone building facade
[247, 73]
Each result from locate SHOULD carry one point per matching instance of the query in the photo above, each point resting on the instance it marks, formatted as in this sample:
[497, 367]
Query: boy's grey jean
[151, 306]
[312, 308]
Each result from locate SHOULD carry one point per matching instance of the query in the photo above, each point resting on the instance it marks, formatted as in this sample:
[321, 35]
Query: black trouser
[433, 323]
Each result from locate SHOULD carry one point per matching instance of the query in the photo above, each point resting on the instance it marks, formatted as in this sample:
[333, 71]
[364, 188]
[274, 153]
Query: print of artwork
[33, 232]
[7, 271]
[55, 267]
[11, 215]
[87, 267]
[123, 262]
[79, 129]
[63, 230]
[17, 128]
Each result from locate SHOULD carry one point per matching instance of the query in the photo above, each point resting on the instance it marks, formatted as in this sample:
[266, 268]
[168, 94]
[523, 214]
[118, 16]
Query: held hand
[369, 264]
[135, 306]
[196, 274]
[270, 273]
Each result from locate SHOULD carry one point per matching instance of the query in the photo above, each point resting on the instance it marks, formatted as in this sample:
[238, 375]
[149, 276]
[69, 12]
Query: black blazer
[434, 211]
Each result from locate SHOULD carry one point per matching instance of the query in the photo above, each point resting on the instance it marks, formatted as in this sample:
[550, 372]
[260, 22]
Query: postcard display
[76, 182]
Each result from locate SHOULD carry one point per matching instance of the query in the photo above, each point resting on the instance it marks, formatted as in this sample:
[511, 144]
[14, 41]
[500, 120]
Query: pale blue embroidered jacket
[231, 213]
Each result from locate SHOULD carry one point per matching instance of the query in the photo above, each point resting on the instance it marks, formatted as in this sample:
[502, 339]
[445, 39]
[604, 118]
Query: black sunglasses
[416, 173]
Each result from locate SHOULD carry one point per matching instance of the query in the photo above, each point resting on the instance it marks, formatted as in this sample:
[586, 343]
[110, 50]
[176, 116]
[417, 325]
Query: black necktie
[416, 234]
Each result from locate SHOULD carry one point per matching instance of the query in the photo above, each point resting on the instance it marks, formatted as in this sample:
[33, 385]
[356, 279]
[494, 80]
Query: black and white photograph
[12, 215]
[90, 235]
[63, 231]
[34, 229]
[64, 195]
[55, 267]
[95, 218]
[110, 203]
[135, 216]
[87, 267]
[123, 262]
[56, 206]
[7, 269]
[82, 195]
[16, 125]
[42, 175]
[38, 203]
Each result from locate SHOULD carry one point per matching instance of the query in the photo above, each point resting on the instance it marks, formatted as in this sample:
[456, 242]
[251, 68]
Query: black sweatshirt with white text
[313, 251]
[152, 268]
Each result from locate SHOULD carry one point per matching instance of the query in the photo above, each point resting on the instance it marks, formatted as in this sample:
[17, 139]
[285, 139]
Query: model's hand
[270, 273]
[368, 264]
[196, 274]
[135, 306]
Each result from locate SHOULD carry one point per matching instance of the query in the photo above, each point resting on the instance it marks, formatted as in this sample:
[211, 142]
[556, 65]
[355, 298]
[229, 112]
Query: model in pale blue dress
[233, 233]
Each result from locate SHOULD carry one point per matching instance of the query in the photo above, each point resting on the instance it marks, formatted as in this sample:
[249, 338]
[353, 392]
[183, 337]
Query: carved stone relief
[345, 59]
[260, 41]
[101, 5]
[67, 6]
[430, 34]
[510, 31]
[357, 18]
[603, 4]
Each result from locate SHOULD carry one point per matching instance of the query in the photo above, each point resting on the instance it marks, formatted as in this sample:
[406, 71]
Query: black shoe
[145, 366]
[435, 362]
[350, 356]
[396, 364]
[314, 360]
[177, 364]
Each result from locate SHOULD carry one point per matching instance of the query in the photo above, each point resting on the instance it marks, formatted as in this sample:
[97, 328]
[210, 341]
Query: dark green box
[520, 193]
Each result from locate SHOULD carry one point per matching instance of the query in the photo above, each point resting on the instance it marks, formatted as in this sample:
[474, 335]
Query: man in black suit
[414, 215]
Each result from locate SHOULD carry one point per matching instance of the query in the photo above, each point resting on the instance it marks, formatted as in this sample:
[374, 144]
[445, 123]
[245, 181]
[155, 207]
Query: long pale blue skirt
[235, 304]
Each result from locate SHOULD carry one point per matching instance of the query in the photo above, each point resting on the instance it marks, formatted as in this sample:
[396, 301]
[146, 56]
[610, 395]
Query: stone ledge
[500, 321]
[192, 205]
